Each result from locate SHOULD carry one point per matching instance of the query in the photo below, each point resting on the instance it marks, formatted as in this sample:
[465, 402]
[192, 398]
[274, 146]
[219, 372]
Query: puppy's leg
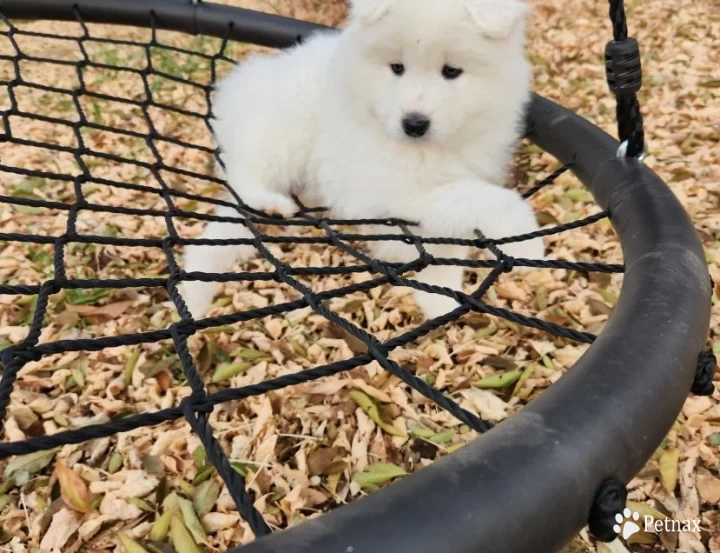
[213, 259]
[391, 251]
[444, 276]
[523, 222]
[460, 207]
[250, 187]
[272, 203]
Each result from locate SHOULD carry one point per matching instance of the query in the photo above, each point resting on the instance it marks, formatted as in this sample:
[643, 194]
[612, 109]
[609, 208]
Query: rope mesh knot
[706, 368]
[609, 501]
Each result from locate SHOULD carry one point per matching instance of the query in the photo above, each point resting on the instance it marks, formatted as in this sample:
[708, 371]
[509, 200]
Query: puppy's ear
[498, 18]
[370, 11]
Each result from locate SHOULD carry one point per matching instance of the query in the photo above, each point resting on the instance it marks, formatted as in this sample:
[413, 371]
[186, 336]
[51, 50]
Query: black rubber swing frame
[528, 484]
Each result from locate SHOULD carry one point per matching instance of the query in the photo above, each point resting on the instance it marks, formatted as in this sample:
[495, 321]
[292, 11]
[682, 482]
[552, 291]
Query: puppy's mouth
[424, 139]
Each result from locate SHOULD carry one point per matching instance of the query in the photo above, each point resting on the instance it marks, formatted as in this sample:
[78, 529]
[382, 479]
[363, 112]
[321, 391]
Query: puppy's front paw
[528, 249]
[393, 252]
[435, 305]
[198, 296]
[274, 204]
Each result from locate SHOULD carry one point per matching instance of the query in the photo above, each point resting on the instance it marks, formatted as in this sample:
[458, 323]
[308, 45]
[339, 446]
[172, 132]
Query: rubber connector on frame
[706, 368]
[609, 502]
[623, 67]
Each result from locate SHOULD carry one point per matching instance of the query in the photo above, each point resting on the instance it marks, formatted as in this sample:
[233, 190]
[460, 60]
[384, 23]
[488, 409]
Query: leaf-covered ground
[307, 449]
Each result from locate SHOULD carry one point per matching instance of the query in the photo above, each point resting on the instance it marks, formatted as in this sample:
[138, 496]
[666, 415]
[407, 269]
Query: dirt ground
[313, 447]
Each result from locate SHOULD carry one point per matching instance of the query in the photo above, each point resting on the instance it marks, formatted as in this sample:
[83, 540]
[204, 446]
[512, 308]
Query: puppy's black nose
[416, 125]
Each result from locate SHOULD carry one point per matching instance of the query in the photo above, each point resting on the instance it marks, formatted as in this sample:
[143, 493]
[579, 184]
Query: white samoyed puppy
[412, 111]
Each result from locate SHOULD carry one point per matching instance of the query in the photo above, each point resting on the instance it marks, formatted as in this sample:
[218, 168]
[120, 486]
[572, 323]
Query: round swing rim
[604, 419]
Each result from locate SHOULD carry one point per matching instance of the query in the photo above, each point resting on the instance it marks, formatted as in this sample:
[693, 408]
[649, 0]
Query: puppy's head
[428, 71]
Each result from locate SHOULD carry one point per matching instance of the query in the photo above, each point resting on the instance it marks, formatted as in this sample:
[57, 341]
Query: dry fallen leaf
[137, 483]
[511, 291]
[486, 404]
[214, 522]
[64, 524]
[181, 537]
[161, 527]
[669, 469]
[226, 371]
[205, 497]
[24, 465]
[323, 457]
[367, 404]
[615, 546]
[130, 545]
[356, 345]
[114, 506]
[714, 543]
[191, 520]
[708, 486]
[102, 313]
[73, 489]
[93, 525]
[498, 381]
[378, 474]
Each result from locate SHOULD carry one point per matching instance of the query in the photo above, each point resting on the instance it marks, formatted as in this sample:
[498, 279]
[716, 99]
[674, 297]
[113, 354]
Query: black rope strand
[624, 75]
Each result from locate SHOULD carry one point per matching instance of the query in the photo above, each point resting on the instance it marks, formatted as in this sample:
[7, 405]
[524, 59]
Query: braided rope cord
[629, 117]
[197, 407]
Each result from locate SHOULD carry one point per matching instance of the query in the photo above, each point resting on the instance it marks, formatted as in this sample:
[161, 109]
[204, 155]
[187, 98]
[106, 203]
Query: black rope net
[82, 142]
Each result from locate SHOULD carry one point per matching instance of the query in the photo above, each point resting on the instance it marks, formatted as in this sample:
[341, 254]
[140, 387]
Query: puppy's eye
[450, 72]
[397, 68]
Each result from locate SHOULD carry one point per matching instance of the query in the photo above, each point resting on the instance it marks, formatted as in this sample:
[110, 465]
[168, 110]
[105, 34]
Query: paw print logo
[630, 526]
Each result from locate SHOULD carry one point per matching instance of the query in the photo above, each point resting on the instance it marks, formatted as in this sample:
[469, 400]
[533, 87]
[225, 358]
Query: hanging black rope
[624, 76]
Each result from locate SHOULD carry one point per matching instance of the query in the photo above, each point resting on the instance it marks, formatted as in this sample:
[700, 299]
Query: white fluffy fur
[325, 120]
